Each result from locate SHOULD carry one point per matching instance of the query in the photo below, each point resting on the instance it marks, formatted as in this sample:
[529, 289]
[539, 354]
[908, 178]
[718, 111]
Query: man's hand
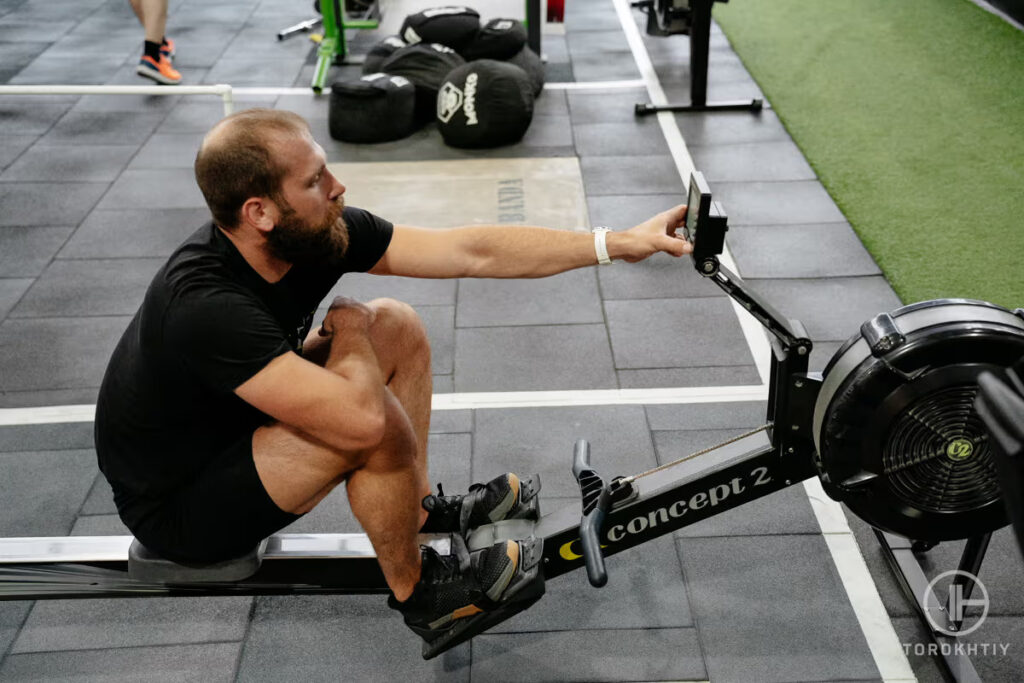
[653, 235]
[346, 314]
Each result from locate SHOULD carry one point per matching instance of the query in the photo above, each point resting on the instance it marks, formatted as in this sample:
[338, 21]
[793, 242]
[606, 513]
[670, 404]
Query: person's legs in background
[158, 51]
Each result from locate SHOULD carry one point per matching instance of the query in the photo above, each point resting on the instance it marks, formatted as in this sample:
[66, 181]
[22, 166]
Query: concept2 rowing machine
[889, 428]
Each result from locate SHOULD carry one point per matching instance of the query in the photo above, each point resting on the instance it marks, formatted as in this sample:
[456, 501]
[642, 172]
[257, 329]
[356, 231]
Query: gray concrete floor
[96, 191]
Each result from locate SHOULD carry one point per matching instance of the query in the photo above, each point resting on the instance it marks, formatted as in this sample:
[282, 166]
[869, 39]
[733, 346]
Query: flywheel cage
[936, 455]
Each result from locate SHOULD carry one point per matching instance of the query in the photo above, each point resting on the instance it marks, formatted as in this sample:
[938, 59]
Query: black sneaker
[462, 594]
[505, 497]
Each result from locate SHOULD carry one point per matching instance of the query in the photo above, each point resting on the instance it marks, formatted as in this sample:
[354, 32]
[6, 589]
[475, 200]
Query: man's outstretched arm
[503, 251]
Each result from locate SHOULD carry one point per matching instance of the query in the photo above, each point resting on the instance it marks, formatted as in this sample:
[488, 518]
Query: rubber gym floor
[96, 192]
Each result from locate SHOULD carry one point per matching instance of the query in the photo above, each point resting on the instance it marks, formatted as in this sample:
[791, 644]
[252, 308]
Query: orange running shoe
[167, 49]
[161, 72]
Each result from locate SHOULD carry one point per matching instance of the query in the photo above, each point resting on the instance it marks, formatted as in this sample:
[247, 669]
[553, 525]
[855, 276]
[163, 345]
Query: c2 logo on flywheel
[959, 449]
[449, 101]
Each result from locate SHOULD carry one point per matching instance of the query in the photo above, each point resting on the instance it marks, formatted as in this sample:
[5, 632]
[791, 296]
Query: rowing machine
[889, 429]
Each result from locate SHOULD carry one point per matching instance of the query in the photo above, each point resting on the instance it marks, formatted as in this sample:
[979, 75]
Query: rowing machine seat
[146, 566]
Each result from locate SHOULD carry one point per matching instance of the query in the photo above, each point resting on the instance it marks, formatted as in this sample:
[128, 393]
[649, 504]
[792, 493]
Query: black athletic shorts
[223, 514]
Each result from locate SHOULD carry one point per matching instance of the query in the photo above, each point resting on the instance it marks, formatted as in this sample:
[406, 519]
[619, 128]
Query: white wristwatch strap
[601, 244]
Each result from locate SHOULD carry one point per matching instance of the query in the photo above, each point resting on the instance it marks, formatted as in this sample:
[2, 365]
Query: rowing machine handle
[596, 500]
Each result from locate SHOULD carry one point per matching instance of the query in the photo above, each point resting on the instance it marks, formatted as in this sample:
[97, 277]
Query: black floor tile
[730, 127]
[413, 291]
[168, 151]
[619, 138]
[57, 353]
[35, 10]
[602, 20]
[211, 662]
[100, 500]
[784, 512]
[66, 70]
[104, 624]
[154, 189]
[551, 103]
[48, 397]
[63, 476]
[46, 437]
[353, 634]
[728, 416]
[18, 55]
[198, 117]
[605, 106]
[664, 333]
[506, 358]
[103, 128]
[712, 376]
[31, 114]
[661, 276]
[13, 30]
[570, 297]
[760, 611]
[786, 203]
[12, 615]
[541, 440]
[621, 212]
[11, 291]
[645, 590]
[93, 163]
[800, 251]
[86, 46]
[611, 66]
[596, 42]
[752, 161]
[125, 233]
[30, 204]
[559, 72]
[812, 302]
[622, 175]
[590, 656]
[242, 72]
[85, 287]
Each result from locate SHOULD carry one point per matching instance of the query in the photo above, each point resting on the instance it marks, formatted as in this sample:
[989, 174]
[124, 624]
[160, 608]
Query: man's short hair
[235, 161]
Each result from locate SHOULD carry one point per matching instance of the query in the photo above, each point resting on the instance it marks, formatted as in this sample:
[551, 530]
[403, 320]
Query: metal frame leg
[899, 554]
[700, 40]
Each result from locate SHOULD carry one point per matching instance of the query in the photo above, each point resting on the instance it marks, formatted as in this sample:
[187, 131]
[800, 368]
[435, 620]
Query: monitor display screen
[692, 212]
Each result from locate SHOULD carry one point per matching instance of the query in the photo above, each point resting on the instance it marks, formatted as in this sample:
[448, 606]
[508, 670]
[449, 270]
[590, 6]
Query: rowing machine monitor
[705, 226]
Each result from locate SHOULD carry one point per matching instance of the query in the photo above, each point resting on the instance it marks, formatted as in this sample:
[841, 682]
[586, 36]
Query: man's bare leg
[152, 15]
[403, 350]
[385, 486]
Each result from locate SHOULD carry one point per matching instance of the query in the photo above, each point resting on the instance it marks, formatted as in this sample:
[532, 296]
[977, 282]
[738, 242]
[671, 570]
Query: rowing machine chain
[694, 455]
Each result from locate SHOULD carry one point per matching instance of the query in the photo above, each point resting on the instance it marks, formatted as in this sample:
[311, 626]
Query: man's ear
[259, 212]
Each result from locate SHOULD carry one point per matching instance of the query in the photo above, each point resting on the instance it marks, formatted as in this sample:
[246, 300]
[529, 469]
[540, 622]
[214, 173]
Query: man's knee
[396, 325]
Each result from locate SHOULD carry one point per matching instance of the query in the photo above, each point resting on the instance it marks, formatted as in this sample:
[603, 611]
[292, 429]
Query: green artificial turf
[912, 114]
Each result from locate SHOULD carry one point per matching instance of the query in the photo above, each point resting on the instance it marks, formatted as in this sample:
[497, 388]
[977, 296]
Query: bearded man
[224, 415]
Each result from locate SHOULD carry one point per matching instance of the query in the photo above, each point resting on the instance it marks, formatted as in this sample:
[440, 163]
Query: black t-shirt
[208, 323]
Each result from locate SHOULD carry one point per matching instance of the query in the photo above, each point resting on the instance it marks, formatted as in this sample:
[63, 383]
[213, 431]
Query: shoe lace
[448, 568]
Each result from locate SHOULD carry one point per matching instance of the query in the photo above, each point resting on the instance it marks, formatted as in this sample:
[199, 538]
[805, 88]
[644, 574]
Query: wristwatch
[601, 244]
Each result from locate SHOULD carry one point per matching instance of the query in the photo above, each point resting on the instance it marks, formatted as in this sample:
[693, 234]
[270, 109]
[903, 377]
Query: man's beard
[298, 241]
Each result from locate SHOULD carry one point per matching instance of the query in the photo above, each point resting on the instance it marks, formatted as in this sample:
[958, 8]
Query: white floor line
[860, 588]
[12, 417]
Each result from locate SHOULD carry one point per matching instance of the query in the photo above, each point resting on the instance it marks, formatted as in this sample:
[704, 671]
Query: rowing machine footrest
[146, 566]
[526, 588]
